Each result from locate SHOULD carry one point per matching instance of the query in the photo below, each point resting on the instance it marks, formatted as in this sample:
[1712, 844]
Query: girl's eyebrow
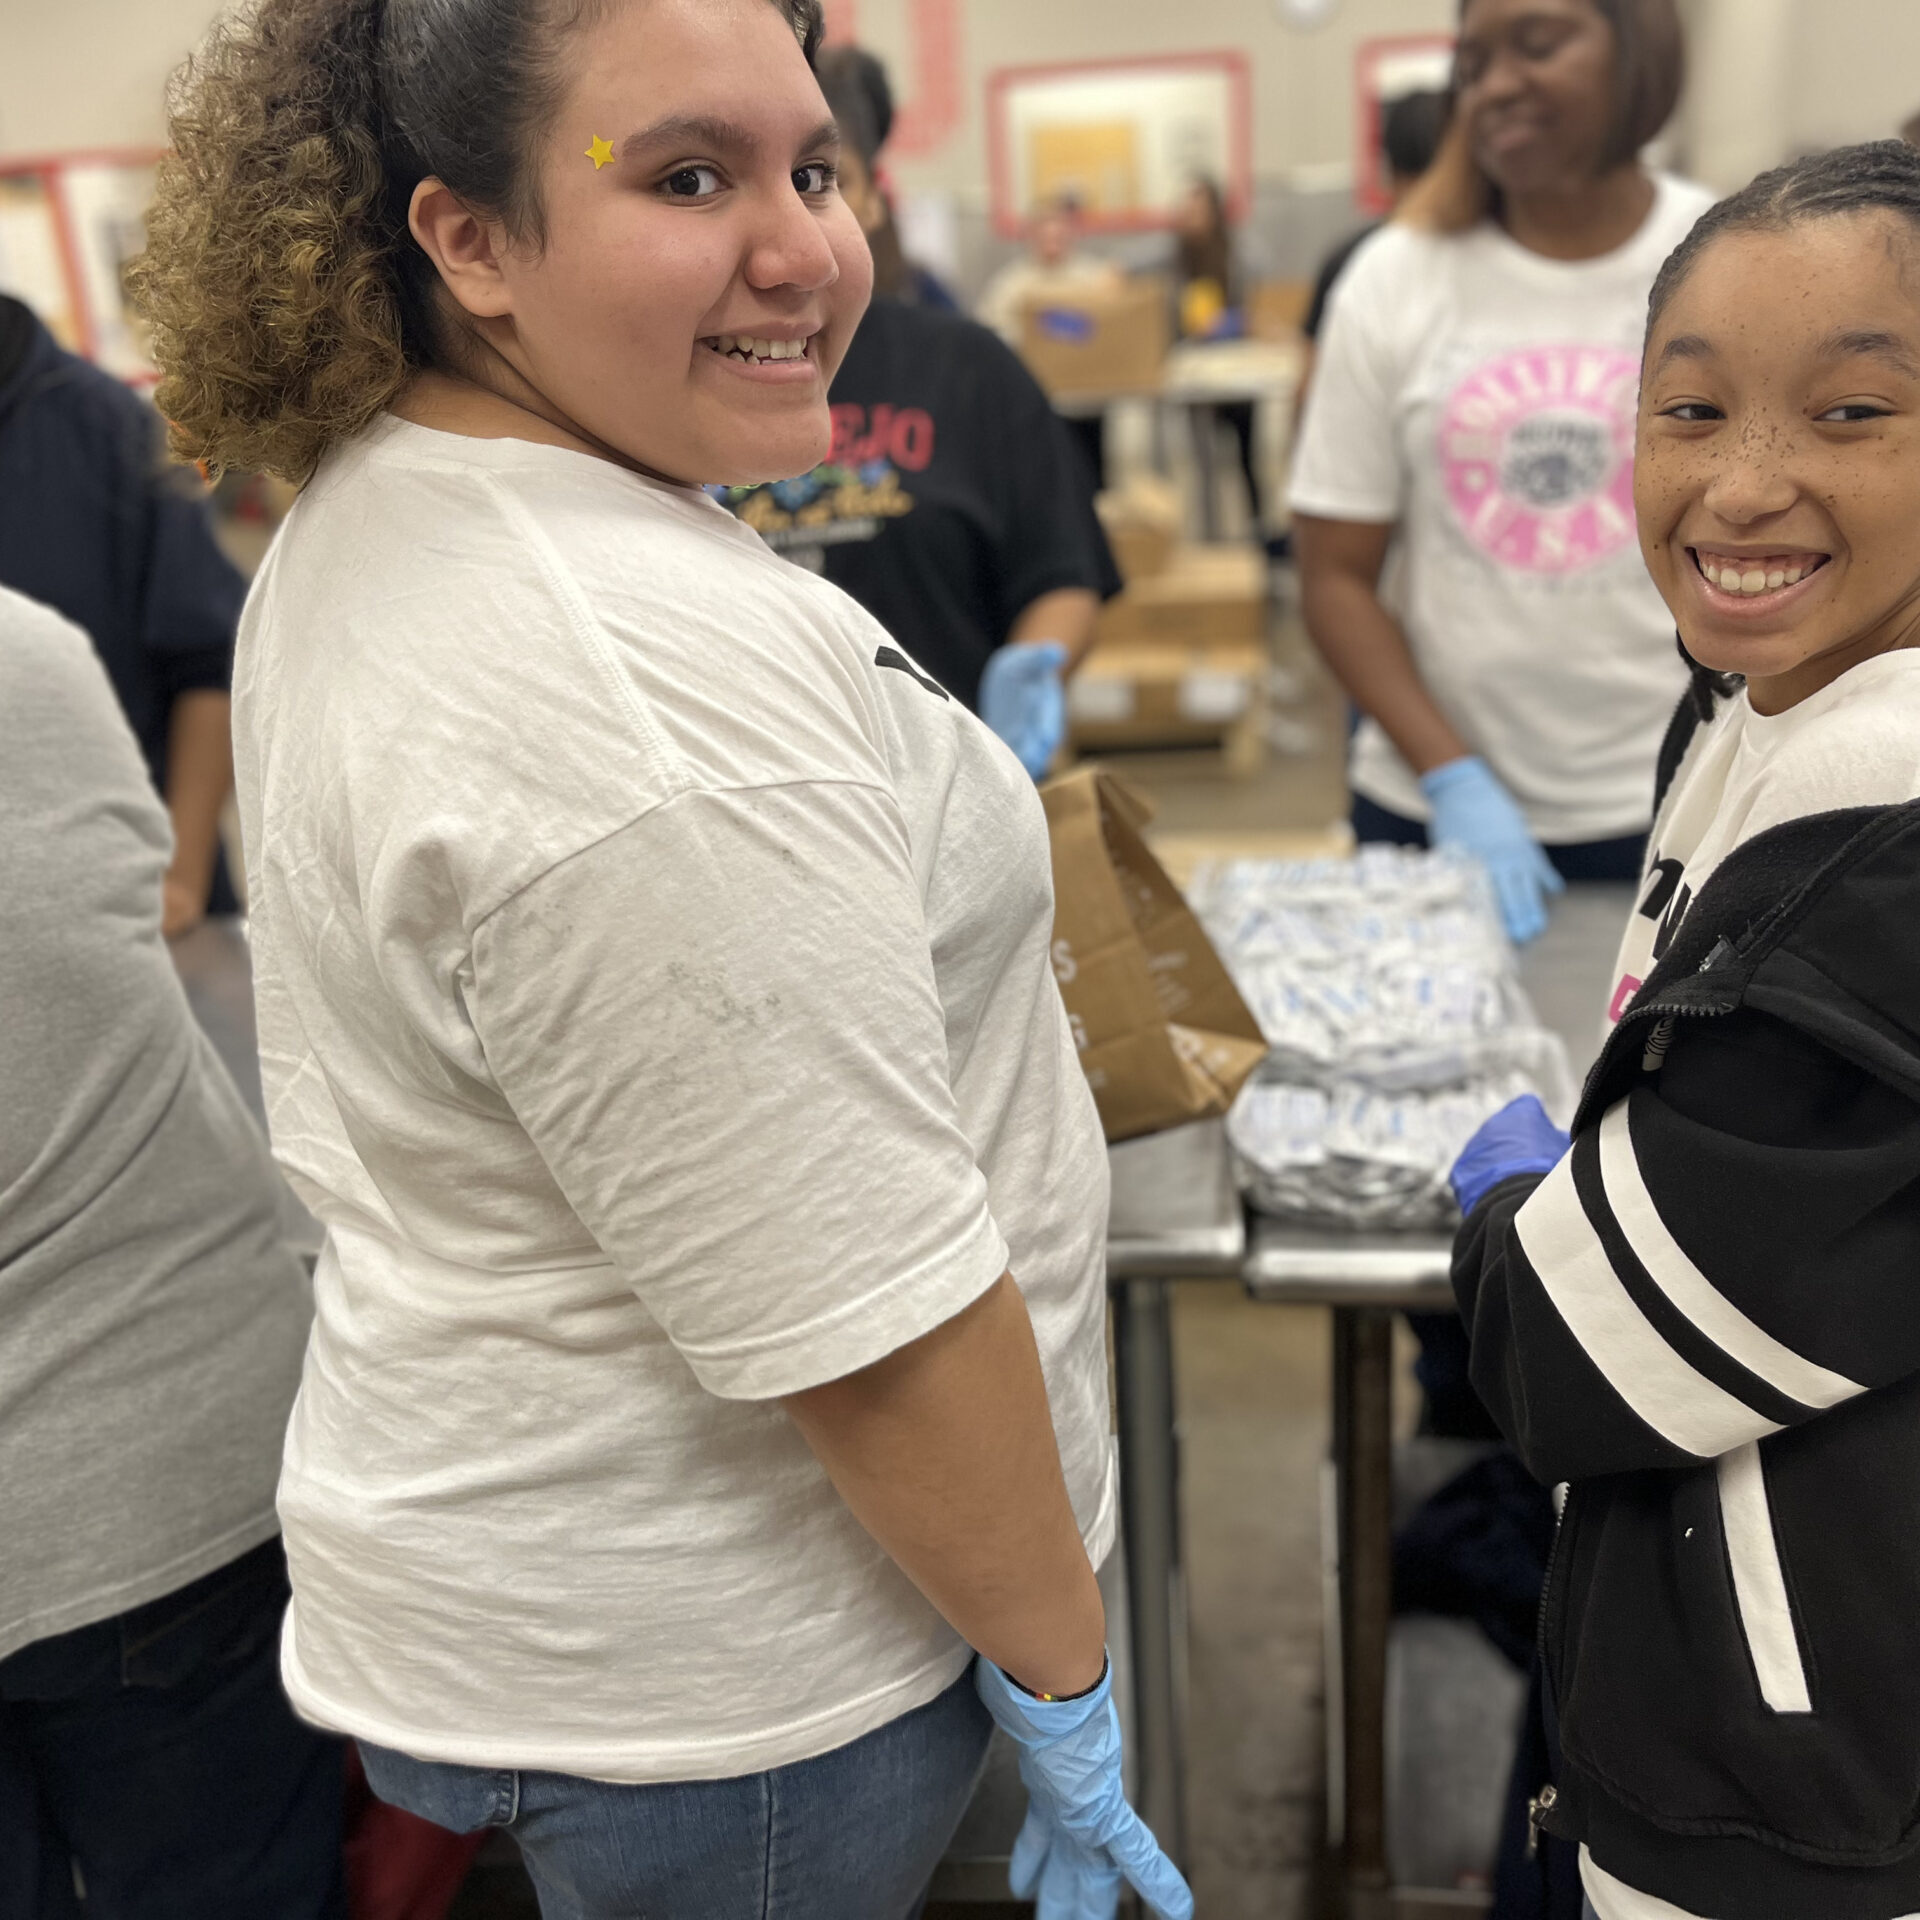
[1685, 346]
[696, 132]
[1852, 343]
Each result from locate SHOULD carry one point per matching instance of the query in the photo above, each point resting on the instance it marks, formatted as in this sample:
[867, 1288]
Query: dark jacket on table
[1707, 1320]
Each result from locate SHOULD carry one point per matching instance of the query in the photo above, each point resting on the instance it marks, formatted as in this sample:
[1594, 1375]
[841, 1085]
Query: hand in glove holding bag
[1518, 1139]
[1023, 698]
[1081, 1838]
[1474, 812]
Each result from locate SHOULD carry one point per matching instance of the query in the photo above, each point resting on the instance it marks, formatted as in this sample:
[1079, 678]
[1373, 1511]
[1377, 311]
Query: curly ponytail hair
[288, 301]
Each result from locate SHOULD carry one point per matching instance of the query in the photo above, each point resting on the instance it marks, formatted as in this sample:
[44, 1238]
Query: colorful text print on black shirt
[854, 492]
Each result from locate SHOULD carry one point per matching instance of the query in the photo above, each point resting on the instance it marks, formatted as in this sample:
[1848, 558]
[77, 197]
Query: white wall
[1303, 85]
[83, 73]
[1772, 77]
[1855, 71]
[90, 73]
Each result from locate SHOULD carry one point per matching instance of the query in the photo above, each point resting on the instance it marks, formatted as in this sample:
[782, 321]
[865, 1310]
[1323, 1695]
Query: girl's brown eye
[692, 183]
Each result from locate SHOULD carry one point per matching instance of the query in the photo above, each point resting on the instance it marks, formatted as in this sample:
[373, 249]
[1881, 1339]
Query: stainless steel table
[1199, 381]
[1366, 1279]
[1176, 1215]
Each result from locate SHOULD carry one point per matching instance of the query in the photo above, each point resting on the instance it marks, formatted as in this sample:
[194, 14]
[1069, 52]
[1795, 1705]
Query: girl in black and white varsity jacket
[1704, 1314]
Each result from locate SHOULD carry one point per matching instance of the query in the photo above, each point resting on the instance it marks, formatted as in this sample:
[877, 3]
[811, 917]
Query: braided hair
[1881, 175]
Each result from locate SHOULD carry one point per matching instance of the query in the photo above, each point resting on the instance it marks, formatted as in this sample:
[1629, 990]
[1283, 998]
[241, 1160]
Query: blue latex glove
[1080, 1836]
[1023, 698]
[1518, 1139]
[1474, 812]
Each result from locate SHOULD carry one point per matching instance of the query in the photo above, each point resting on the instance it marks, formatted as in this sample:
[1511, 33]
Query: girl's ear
[466, 249]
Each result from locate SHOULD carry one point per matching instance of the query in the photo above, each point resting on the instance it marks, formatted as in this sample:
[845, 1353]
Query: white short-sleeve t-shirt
[655, 1008]
[1855, 743]
[1482, 398]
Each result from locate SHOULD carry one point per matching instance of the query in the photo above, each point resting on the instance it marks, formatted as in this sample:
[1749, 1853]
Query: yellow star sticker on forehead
[600, 153]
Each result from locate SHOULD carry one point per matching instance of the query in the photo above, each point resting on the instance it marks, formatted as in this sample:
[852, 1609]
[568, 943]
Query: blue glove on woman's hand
[1023, 698]
[1081, 1837]
[1474, 812]
[1518, 1139]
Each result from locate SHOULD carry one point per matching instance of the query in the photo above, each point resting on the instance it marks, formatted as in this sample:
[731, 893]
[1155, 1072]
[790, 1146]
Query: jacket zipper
[1539, 1808]
[1666, 1016]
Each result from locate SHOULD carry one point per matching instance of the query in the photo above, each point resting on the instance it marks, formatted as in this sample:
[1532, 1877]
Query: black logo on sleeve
[898, 661]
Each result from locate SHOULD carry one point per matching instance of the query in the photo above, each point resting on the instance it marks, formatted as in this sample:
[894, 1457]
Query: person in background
[1699, 1312]
[1410, 134]
[152, 1321]
[952, 506]
[704, 1442]
[1473, 410]
[93, 522]
[856, 71]
[1210, 304]
[1055, 266]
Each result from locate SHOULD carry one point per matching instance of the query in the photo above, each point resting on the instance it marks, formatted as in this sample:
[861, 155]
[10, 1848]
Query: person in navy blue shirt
[95, 523]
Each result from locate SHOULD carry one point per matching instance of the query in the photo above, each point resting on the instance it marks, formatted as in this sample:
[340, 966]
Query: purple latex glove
[1518, 1139]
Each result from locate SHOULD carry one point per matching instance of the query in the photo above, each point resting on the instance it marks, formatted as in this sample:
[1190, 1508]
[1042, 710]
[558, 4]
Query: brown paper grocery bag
[1163, 1034]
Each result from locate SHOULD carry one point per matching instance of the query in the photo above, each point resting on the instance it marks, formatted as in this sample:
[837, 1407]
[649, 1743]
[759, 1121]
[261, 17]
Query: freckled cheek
[1663, 483]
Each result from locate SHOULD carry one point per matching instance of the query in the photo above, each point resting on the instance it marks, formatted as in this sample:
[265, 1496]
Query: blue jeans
[855, 1832]
[157, 1751]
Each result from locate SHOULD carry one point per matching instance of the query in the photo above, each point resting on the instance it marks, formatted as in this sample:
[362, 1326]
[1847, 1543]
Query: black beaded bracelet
[1062, 1699]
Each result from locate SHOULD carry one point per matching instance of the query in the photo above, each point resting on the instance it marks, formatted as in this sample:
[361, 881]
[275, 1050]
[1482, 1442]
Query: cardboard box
[1142, 523]
[1102, 341]
[1209, 595]
[1163, 1035]
[1277, 307]
[1143, 696]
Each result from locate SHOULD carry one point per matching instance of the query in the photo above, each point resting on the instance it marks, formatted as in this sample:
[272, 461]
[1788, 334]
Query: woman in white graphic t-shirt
[1463, 490]
[653, 984]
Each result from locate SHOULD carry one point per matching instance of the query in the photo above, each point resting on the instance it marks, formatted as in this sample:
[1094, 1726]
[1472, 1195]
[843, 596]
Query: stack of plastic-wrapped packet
[1387, 991]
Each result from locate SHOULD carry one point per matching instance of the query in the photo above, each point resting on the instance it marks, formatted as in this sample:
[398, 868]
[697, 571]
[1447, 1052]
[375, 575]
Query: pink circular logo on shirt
[1536, 454]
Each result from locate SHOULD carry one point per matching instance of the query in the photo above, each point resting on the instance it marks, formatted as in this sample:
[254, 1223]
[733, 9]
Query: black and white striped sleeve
[1730, 1251]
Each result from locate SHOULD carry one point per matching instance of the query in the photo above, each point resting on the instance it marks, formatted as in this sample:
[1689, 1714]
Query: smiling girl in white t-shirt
[653, 986]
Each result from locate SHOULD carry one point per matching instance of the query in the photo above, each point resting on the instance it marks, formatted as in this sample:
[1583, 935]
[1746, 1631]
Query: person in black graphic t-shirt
[953, 506]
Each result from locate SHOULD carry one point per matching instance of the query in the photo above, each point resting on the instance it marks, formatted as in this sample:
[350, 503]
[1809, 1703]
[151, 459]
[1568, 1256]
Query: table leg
[1149, 1487]
[1206, 460]
[1363, 1454]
